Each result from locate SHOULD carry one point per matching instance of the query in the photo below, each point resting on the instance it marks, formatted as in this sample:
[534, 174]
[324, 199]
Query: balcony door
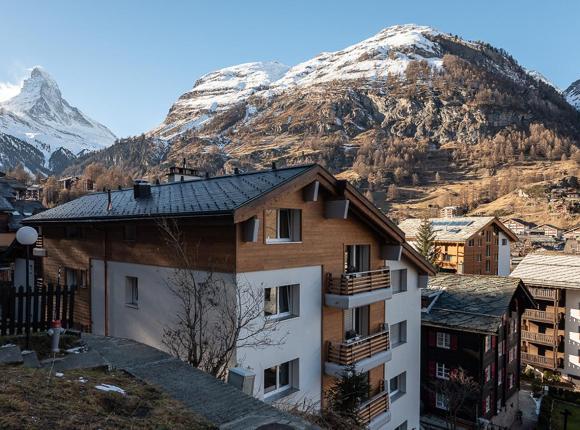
[356, 322]
[357, 258]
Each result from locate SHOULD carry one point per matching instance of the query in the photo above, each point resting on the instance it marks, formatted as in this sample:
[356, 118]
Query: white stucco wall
[303, 333]
[504, 256]
[406, 306]
[20, 272]
[572, 340]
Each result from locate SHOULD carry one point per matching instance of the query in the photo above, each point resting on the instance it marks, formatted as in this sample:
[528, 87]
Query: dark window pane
[270, 301]
[284, 295]
[284, 219]
[284, 374]
[269, 379]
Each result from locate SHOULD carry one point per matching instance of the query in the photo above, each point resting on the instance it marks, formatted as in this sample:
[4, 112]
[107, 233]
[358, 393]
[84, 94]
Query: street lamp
[27, 236]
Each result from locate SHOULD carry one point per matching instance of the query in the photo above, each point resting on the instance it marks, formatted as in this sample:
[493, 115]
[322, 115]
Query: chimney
[236, 171]
[274, 167]
[141, 189]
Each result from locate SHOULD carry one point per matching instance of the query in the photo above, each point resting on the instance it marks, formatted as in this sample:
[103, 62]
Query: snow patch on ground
[110, 388]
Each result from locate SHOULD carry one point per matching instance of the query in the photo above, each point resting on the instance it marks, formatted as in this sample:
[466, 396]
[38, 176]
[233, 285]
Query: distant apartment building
[547, 230]
[551, 332]
[474, 245]
[449, 212]
[473, 322]
[335, 272]
[518, 226]
[573, 233]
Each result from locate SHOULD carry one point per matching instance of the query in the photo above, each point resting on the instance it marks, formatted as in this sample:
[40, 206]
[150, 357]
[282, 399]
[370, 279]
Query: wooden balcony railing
[538, 360]
[543, 293]
[535, 315]
[349, 352]
[374, 407]
[543, 338]
[359, 282]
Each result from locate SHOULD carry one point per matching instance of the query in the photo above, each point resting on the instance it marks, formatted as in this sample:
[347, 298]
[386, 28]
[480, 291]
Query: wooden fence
[42, 303]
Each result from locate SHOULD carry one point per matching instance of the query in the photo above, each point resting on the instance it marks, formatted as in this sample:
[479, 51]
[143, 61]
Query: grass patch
[40, 342]
[34, 399]
[557, 421]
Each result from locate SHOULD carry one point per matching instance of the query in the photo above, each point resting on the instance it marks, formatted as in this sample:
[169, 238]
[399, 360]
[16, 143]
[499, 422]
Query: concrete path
[220, 403]
[528, 408]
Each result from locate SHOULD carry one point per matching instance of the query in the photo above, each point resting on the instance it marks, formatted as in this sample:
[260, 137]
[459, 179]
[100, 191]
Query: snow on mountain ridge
[40, 116]
[389, 51]
[572, 94]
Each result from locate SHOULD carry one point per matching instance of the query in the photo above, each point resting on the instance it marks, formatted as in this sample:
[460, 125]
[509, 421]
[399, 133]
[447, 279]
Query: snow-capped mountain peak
[40, 116]
[572, 94]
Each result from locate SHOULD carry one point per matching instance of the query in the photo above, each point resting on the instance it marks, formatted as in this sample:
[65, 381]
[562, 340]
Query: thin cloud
[8, 90]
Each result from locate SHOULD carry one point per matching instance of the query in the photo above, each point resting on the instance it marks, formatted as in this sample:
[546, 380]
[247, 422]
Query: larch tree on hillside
[425, 242]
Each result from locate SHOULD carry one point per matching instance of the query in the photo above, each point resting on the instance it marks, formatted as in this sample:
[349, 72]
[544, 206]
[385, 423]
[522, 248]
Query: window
[356, 322]
[487, 266]
[504, 242]
[499, 377]
[282, 225]
[357, 258]
[131, 291]
[487, 251]
[399, 280]
[500, 348]
[487, 343]
[402, 426]
[280, 302]
[510, 380]
[75, 277]
[488, 236]
[398, 334]
[479, 258]
[488, 404]
[443, 340]
[487, 373]
[397, 386]
[130, 232]
[280, 378]
[441, 401]
[470, 243]
[442, 371]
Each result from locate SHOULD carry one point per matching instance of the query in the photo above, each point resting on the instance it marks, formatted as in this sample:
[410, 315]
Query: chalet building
[551, 333]
[473, 322]
[573, 233]
[518, 226]
[332, 268]
[547, 230]
[473, 245]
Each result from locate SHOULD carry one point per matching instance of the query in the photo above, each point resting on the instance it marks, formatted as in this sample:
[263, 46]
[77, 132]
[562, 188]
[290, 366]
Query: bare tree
[458, 391]
[216, 314]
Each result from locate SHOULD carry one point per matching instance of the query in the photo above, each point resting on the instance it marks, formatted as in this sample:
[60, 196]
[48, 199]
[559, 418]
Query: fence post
[12, 309]
[43, 304]
[50, 308]
[35, 302]
[71, 307]
[57, 294]
[20, 298]
[64, 312]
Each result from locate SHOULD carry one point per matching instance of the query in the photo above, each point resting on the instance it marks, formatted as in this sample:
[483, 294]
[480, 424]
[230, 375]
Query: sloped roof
[554, 269]
[5, 205]
[469, 302]
[455, 229]
[211, 196]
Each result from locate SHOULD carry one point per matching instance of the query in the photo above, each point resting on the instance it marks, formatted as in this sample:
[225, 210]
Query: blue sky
[125, 62]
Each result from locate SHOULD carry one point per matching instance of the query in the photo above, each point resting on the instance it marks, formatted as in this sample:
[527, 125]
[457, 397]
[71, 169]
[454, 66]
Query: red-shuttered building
[472, 322]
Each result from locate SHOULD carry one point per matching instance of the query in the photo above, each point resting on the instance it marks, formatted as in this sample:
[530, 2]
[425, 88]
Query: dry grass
[40, 342]
[29, 399]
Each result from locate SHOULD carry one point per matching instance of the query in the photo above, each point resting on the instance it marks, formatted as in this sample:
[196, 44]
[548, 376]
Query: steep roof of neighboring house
[5, 205]
[548, 225]
[456, 229]
[552, 269]
[234, 195]
[572, 229]
[519, 221]
[470, 302]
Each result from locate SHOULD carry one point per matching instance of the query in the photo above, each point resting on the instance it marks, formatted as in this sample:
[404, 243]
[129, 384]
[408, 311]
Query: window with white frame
[499, 377]
[398, 334]
[398, 386]
[281, 302]
[131, 291]
[282, 225]
[487, 372]
[500, 348]
[488, 404]
[441, 401]
[280, 378]
[443, 340]
[442, 371]
[487, 343]
[399, 280]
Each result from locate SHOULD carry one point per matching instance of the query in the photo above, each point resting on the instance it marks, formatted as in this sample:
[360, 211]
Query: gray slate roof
[5, 205]
[211, 196]
[456, 229]
[554, 269]
[469, 302]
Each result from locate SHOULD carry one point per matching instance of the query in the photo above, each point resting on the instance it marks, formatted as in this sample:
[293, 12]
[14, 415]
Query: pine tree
[425, 242]
[348, 393]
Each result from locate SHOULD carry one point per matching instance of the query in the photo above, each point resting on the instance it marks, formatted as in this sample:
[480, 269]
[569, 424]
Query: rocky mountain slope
[572, 94]
[40, 121]
[397, 107]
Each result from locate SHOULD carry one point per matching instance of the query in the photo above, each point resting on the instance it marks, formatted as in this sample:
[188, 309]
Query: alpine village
[385, 236]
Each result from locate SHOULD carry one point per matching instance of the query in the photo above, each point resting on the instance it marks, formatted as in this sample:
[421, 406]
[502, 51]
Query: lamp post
[27, 236]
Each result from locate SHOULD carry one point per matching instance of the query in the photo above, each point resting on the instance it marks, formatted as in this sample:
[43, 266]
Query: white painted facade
[503, 255]
[406, 357]
[572, 339]
[303, 334]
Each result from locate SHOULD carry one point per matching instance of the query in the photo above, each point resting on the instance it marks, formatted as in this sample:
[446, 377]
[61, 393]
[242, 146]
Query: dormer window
[282, 225]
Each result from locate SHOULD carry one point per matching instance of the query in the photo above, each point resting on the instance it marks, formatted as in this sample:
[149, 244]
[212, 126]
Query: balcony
[365, 353]
[543, 293]
[538, 360]
[542, 338]
[352, 290]
[39, 250]
[375, 412]
[543, 316]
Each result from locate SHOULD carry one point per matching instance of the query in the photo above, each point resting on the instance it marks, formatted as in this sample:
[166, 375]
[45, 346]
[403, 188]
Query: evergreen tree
[348, 393]
[425, 242]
